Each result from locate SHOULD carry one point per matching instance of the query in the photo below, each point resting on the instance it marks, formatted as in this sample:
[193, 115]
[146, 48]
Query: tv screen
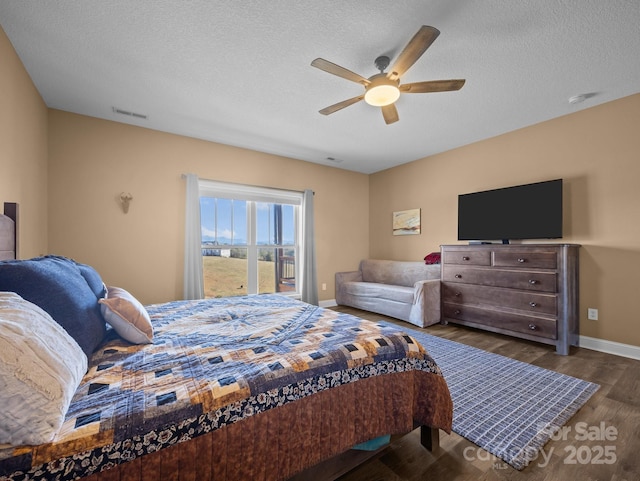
[531, 211]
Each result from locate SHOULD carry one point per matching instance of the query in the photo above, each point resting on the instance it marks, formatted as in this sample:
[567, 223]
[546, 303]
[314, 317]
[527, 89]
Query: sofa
[405, 290]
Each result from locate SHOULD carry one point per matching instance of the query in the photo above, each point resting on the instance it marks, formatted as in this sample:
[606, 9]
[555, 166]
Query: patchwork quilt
[212, 362]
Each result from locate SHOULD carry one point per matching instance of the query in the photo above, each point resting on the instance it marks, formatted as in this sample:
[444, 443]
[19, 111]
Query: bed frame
[339, 465]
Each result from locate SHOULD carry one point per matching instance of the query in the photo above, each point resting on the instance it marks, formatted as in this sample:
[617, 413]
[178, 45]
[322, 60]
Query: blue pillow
[93, 279]
[56, 284]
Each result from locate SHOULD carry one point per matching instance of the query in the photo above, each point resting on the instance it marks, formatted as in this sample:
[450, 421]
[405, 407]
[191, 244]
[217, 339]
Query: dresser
[524, 290]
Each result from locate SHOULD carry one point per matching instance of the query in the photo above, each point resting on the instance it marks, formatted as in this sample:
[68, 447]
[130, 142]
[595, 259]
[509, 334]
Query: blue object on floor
[373, 444]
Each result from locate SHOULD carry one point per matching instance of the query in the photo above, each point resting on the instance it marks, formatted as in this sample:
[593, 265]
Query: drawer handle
[458, 276]
[457, 312]
[533, 327]
[533, 304]
[533, 282]
[458, 294]
[466, 258]
[521, 260]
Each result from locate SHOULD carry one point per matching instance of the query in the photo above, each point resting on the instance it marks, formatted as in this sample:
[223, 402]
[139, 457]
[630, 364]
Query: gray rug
[507, 407]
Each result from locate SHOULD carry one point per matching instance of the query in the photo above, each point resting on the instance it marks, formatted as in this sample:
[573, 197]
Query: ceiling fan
[383, 89]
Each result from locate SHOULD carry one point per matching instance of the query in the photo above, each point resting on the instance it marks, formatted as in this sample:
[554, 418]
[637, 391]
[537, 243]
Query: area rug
[507, 407]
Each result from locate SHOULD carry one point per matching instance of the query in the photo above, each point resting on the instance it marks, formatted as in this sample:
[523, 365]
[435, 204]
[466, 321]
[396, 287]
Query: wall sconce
[125, 199]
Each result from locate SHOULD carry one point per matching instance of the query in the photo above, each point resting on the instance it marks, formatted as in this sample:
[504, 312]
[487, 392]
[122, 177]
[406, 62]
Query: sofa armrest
[341, 279]
[426, 303]
[350, 276]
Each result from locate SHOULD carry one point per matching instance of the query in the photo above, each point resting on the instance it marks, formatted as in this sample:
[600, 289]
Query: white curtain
[193, 276]
[309, 286]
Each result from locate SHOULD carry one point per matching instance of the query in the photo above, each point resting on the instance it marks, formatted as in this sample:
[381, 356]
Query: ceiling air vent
[116, 110]
[334, 160]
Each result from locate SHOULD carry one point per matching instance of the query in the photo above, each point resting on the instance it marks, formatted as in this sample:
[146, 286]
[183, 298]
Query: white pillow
[41, 367]
[126, 315]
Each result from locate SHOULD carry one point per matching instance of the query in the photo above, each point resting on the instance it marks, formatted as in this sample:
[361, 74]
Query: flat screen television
[530, 211]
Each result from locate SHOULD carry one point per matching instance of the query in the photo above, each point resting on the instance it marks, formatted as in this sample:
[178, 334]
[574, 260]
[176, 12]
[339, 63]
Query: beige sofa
[409, 291]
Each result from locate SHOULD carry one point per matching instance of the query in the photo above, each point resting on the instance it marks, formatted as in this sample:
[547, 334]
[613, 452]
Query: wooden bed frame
[339, 465]
[11, 210]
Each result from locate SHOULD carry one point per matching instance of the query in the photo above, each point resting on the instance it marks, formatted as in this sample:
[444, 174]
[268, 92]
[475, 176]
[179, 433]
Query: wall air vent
[130, 114]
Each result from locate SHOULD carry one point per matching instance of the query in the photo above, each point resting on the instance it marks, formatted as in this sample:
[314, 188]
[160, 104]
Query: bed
[252, 387]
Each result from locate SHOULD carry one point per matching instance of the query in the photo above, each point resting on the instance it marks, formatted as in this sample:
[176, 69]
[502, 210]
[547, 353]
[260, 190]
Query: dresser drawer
[537, 260]
[513, 279]
[496, 297]
[467, 257]
[531, 325]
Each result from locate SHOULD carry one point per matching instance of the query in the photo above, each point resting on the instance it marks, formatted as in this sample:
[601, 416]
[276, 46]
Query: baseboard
[328, 303]
[610, 347]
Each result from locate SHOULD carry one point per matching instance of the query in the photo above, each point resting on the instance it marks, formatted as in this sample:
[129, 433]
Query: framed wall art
[406, 222]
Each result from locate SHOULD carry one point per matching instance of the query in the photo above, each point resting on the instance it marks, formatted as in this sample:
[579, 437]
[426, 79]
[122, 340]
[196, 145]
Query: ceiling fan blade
[390, 113]
[432, 86]
[420, 42]
[340, 105]
[334, 69]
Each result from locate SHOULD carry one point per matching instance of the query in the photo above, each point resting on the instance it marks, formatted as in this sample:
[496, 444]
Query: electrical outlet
[324, 286]
[592, 314]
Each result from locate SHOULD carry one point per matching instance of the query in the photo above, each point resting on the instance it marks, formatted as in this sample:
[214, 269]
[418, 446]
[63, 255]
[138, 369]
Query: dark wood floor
[613, 413]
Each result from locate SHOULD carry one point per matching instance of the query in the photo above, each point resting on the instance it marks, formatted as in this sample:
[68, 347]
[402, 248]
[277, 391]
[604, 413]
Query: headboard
[9, 232]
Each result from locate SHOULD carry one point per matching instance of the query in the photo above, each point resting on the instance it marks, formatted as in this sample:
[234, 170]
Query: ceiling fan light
[381, 91]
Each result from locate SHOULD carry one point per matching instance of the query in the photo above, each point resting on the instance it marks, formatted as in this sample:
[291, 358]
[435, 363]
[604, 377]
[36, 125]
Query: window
[250, 239]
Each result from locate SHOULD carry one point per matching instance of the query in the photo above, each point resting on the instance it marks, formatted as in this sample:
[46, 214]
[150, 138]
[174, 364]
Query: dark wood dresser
[524, 290]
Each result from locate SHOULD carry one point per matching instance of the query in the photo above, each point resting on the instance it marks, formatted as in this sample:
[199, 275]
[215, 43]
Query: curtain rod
[184, 176]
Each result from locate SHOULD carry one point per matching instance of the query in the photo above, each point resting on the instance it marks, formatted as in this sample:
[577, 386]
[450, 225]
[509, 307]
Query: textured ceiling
[238, 72]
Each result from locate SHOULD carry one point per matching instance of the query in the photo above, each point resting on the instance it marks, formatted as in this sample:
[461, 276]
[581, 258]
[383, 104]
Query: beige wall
[597, 153]
[92, 161]
[23, 151]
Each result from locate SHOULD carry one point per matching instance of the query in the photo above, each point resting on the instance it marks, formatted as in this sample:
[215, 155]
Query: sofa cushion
[383, 291]
[400, 273]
